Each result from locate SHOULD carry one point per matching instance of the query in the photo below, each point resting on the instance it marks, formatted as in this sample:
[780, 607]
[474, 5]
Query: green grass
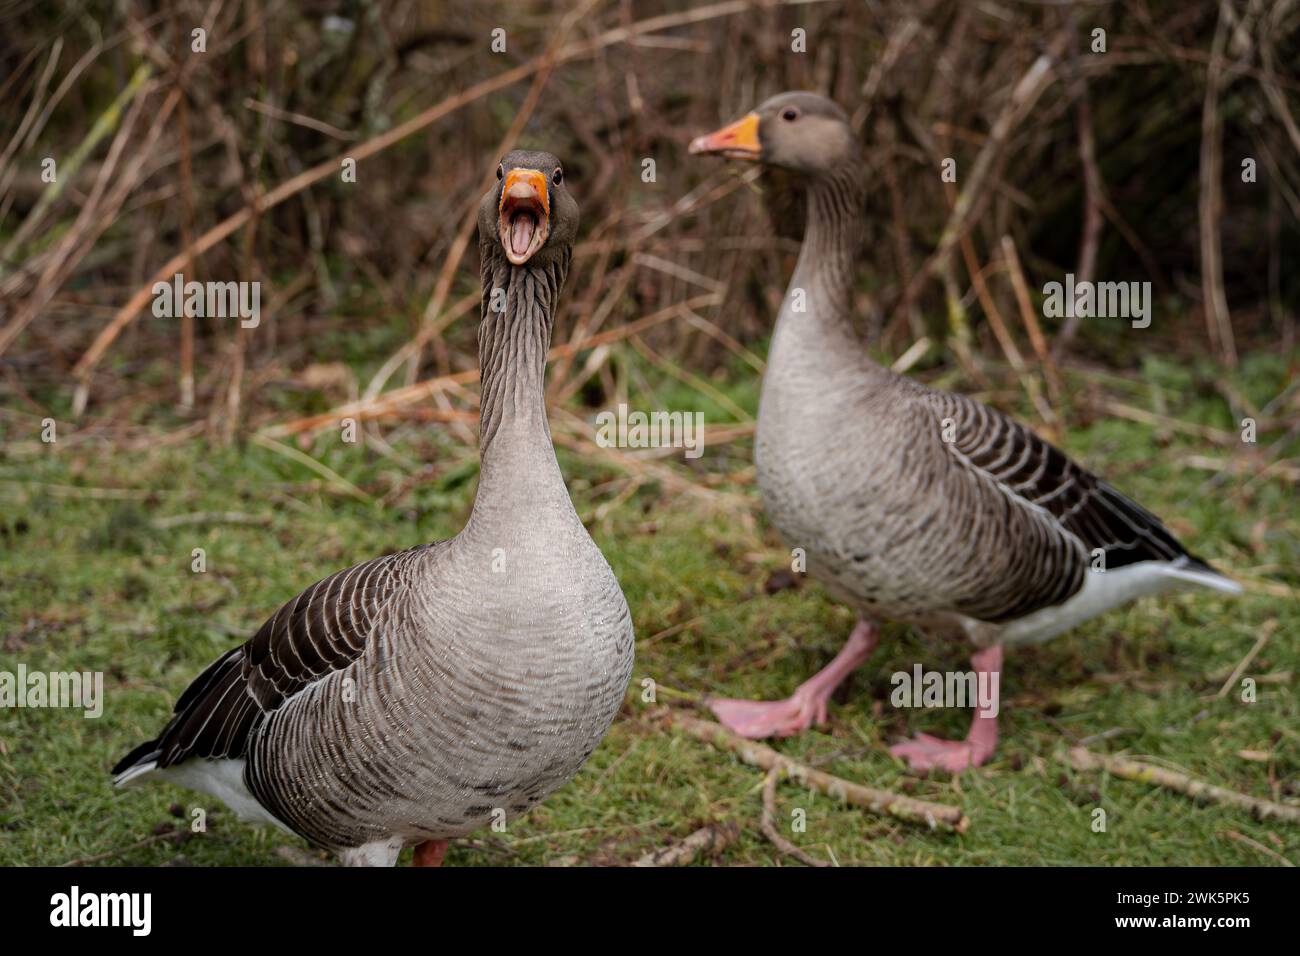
[90, 584]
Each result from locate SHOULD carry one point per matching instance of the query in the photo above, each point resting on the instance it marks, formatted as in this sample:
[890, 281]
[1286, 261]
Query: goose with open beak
[416, 697]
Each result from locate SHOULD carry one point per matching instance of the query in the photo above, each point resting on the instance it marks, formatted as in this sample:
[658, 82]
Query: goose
[913, 504]
[413, 698]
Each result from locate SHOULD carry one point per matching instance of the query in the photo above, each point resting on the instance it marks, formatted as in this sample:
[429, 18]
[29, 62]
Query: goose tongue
[523, 214]
[522, 226]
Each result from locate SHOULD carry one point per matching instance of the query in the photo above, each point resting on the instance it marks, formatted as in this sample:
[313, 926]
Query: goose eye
[790, 115]
[501, 172]
[557, 177]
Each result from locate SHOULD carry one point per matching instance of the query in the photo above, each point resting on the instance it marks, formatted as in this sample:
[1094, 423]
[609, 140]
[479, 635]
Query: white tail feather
[1206, 579]
[1104, 590]
[134, 771]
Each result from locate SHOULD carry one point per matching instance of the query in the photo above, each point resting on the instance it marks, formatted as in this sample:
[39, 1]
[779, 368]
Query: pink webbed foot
[924, 752]
[429, 853]
[756, 719]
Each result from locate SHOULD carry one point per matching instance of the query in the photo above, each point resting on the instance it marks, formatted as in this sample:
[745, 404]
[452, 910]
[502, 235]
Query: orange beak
[737, 141]
[523, 214]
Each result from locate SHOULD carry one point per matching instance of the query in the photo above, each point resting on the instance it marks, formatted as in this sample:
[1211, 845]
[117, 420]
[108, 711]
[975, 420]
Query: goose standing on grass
[992, 531]
[414, 698]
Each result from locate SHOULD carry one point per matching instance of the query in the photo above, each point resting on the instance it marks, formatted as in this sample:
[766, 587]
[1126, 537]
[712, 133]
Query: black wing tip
[140, 754]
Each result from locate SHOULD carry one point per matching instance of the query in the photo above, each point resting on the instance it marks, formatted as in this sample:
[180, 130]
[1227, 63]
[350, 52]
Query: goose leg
[924, 752]
[807, 705]
[429, 853]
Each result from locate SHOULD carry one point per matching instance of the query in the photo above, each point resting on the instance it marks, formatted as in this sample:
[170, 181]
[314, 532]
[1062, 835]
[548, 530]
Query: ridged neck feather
[516, 320]
[833, 238]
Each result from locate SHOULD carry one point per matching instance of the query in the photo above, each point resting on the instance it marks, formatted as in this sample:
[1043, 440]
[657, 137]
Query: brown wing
[322, 630]
[1079, 511]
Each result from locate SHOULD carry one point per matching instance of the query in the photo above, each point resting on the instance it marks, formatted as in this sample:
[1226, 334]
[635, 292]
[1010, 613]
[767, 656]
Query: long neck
[518, 459]
[818, 309]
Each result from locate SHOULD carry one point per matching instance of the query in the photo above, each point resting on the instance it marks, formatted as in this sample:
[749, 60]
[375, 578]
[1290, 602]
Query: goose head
[528, 216]
[803, 132]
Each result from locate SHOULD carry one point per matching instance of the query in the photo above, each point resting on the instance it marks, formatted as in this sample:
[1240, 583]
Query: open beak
[523, 215]
[737, 141]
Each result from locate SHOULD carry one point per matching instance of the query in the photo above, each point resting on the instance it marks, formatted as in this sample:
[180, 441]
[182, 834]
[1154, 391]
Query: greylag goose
[413, 698]
[913, 504]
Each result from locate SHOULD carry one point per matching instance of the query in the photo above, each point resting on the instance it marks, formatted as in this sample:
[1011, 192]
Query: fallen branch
[1126, 769]
[706, 841]
[769, 823]
[933, 815]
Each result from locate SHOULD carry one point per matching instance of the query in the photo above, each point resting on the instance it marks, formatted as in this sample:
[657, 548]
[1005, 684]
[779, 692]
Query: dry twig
[769, 823]
[1123, 767]
[707, 841]
[934, 815]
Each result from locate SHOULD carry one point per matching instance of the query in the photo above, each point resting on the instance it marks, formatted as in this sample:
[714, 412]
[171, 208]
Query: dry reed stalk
[590, 322]
[573, 433]
[69, 167]
[1008, 344]
[295, 184]
[113, 118]
[1217, 317]
[1246, 469]
[1141, 415]
[389, 402]
[186, 384]
[337, 481]
[469, 222]
[1268, 80]
[729, 342]
[33, 109]
[972, 195]
[1027, 315]
[1093, 194]
[97, 213]
[689, 378]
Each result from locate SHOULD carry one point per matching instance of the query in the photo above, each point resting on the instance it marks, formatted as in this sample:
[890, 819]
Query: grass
[89, 583]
